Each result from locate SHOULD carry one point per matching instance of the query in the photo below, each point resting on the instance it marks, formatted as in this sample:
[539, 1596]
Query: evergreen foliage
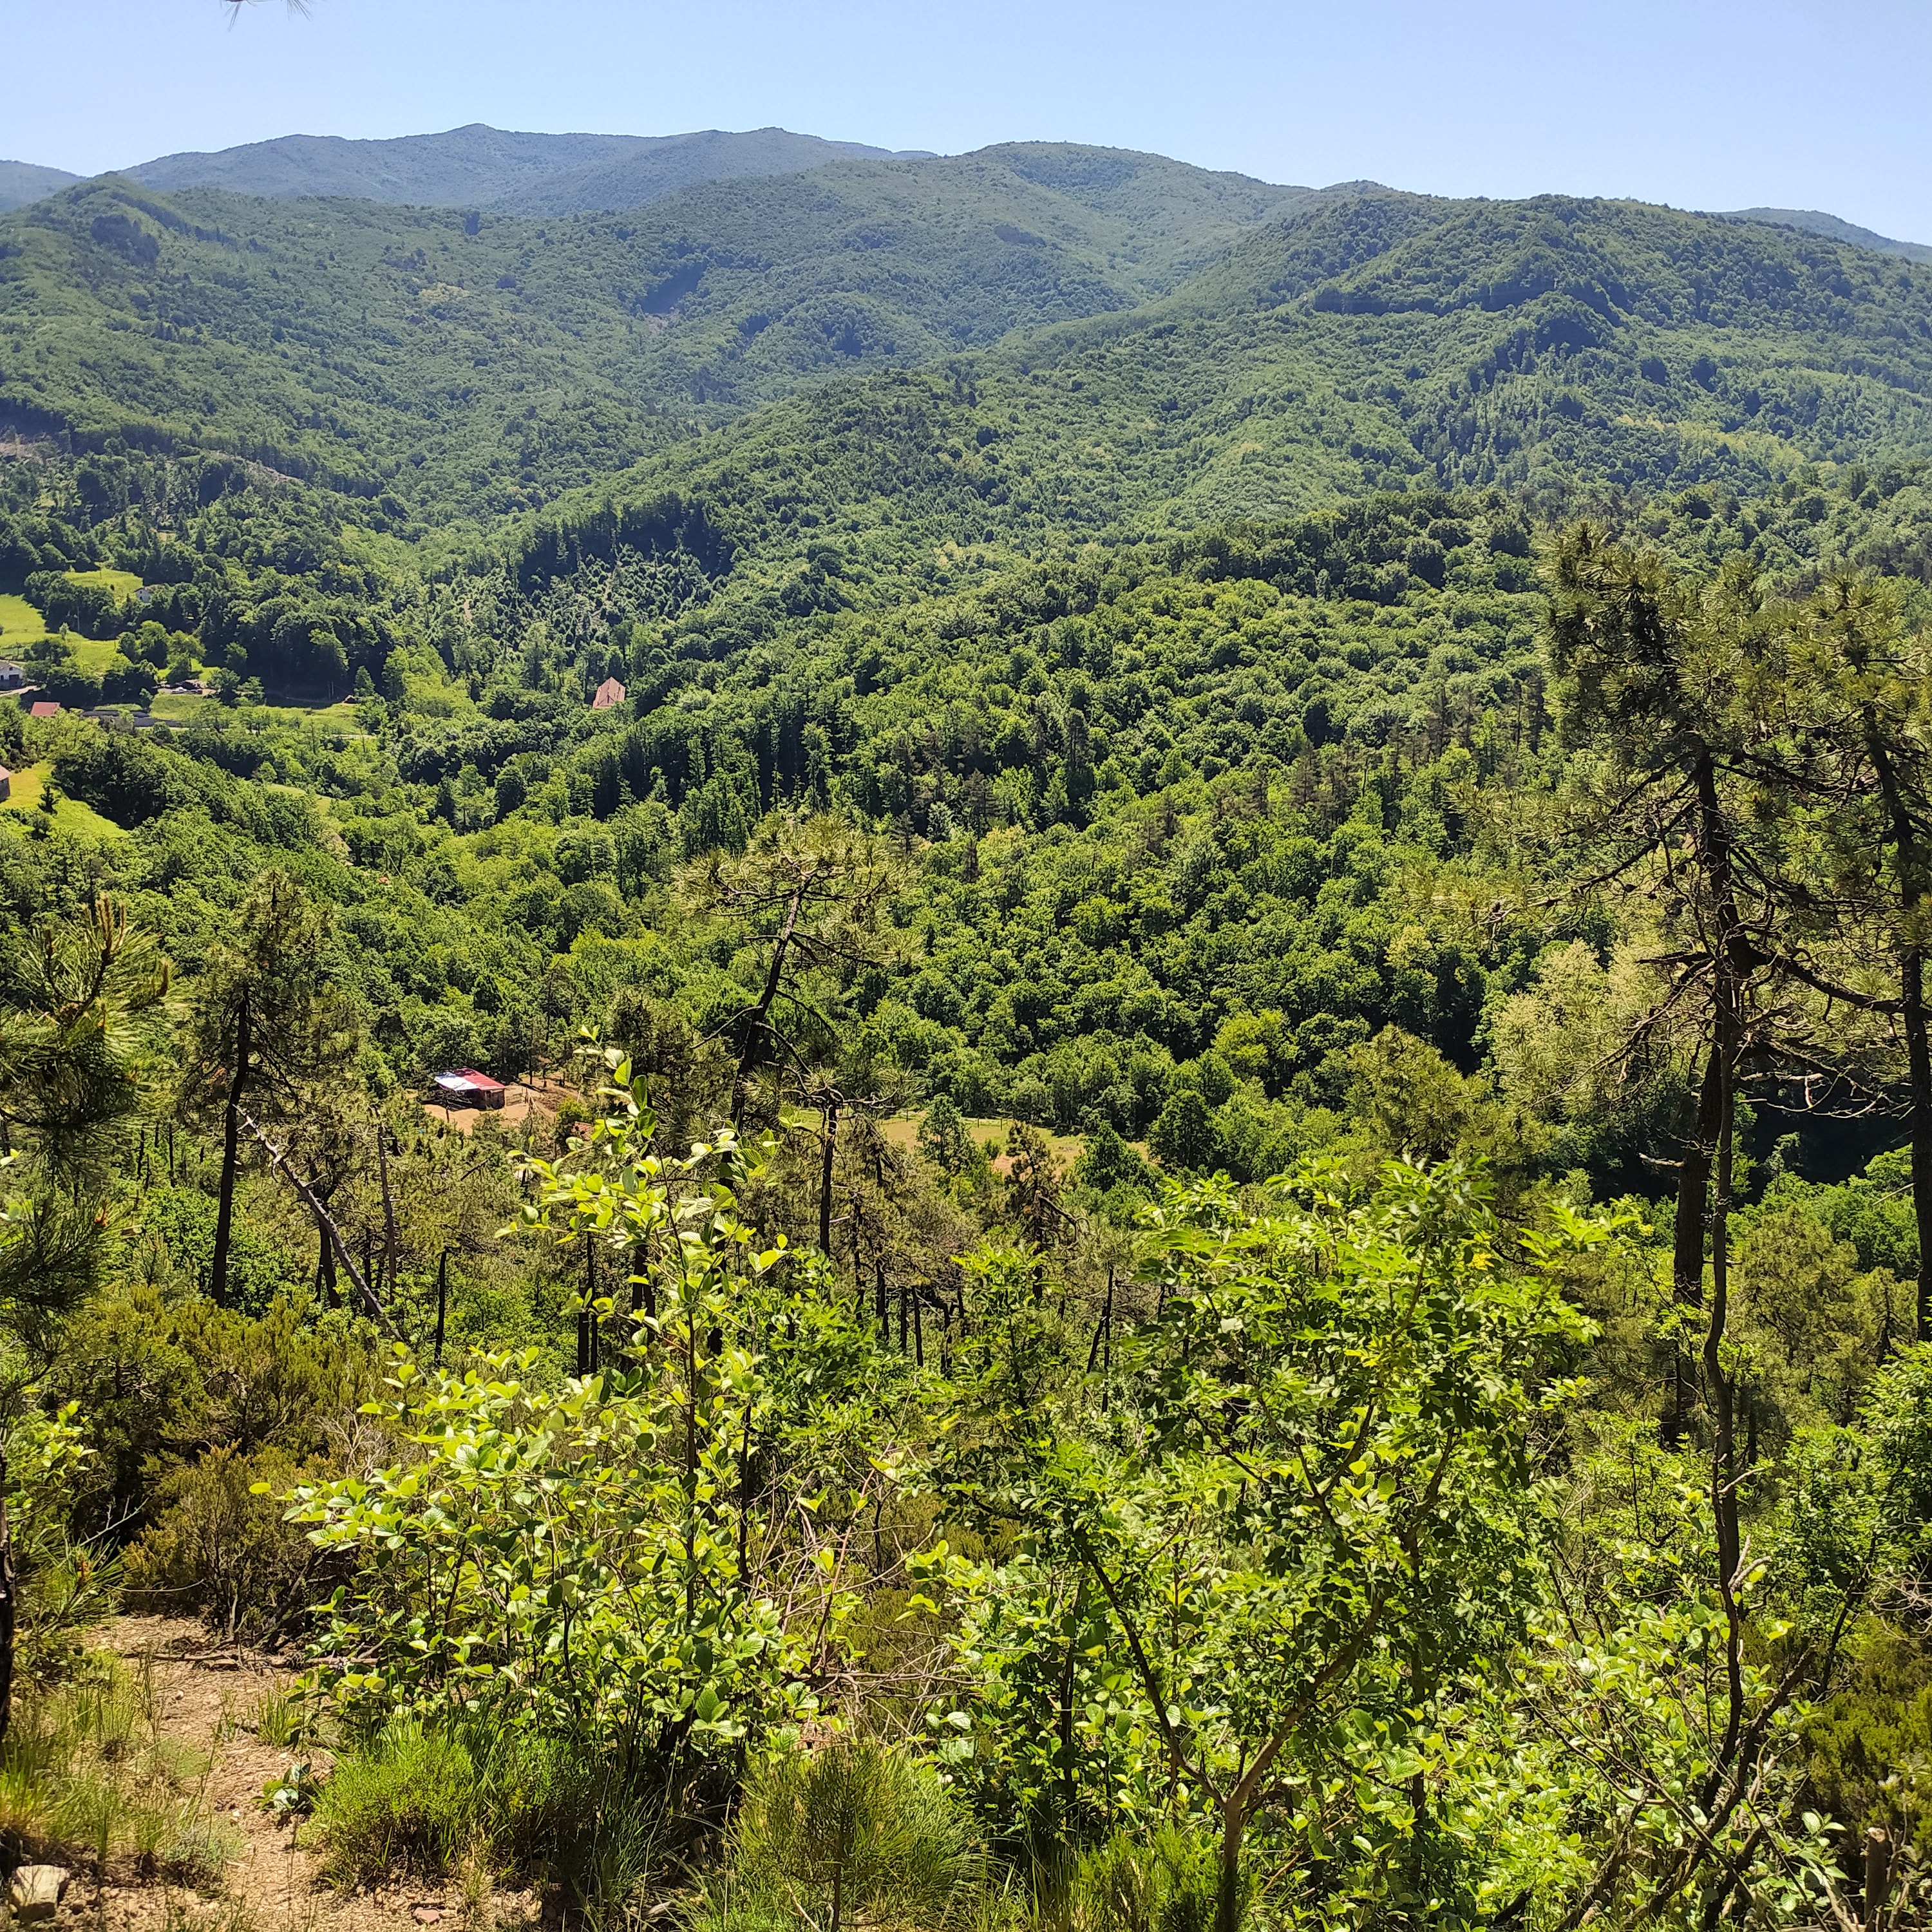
[1214, 1204]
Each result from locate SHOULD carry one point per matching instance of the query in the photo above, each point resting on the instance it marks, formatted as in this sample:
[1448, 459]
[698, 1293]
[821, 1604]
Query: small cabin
[609, 693]
[12, 676]
[44, 707]
[465, 1087]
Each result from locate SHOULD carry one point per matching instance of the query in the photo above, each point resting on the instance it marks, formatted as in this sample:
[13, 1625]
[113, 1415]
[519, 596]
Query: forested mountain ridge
[481, 167]
[337, 341]
[1838, 229]
[22, 182]
[1363, 338]
[1373, 340]
[1215, 1206]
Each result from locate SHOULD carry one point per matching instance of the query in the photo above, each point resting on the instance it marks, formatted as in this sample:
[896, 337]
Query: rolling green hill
[474, 364]
[1816, 222]
[1372, 341]
[1106, 336]
[480, 166]
[22, 182]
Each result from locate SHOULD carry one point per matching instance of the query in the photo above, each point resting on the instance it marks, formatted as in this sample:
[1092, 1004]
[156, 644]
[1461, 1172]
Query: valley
[1202, 904]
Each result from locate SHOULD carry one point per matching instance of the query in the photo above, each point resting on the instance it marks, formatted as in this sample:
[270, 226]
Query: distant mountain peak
[1833, 228]
[478, 165]
[22, 182]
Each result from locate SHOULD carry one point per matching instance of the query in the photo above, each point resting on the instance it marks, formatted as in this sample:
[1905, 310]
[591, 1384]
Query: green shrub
[1130, 1884]
[857, 1832]
[220, 1546]
[411, 1802]
[417, 1799]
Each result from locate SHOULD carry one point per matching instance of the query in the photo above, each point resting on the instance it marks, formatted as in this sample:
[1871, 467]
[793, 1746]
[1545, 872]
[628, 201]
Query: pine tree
[270, 1033]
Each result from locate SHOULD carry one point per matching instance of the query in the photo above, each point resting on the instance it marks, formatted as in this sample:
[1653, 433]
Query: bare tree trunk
[1722, 1395]
[442, 1301]
[1727, 1047]
[231, 1155]
[1687, 1258]
[755, 1021]
[825, 1175]
[278, 1161]
[1911, 978]
[1912, 988]
[325, 1266]
[388, 1207]
[9, 1607]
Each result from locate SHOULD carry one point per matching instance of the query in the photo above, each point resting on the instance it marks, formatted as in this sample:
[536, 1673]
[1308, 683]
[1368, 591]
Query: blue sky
[1704, 104]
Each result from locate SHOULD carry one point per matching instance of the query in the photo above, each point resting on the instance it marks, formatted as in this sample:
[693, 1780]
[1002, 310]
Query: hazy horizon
[1638, 102]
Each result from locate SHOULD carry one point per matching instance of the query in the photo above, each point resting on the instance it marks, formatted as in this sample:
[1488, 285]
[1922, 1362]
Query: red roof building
[44, 707]
[465, 1086]
[609, 692]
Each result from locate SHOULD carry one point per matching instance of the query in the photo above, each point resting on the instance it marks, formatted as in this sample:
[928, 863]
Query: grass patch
[74, 820]
[428, 1802]
[70, 818]
[24, 793]
[93, 654]
[20, 624]
[902, 1131]
[184, 708]
[86, 1778]
[279, 1719]
[123, 583]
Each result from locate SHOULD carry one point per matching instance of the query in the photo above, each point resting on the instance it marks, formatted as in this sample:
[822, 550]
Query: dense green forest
[1217, 1203]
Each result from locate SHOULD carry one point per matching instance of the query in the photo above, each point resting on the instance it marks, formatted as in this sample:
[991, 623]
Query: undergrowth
[87, 1778]
[432, 1801]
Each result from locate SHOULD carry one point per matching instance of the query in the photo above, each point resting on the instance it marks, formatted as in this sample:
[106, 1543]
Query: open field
[20, 624]
[902, 1130]
[24, 793]
[95, 654]
[123, 583]
[69, 814]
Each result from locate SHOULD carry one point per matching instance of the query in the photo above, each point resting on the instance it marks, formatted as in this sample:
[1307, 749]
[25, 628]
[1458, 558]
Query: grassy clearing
[70, 818]
[74, 820]
[94, 654]
[24, 793]
[902, 1131]
[20, 624]
[123, 583]
[86, 1777]
[185, 709]
[341, 717]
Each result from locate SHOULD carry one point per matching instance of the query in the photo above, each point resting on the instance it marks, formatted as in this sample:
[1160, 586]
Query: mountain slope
[647, 173]
[457, 366]
[481, 167]
[1370, 341]
[341, 340]
[22, 182]
[1814, 222]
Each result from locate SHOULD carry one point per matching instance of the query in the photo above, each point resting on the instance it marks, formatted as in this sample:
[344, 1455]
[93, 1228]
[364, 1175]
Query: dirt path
[205, 1697]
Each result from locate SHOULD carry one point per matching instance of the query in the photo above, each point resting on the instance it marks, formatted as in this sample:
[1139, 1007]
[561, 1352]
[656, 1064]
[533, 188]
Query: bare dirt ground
[206, 1694]
[521, 1099]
